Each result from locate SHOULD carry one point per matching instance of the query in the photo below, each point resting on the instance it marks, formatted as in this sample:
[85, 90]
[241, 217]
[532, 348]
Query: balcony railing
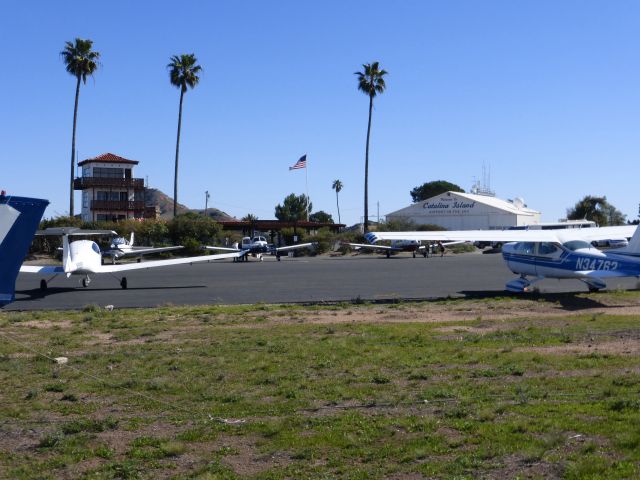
[81, 183]
[113, 205]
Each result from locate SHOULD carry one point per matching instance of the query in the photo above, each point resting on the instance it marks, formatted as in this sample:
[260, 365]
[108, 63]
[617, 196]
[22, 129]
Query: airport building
[468, 211]
[109, 189]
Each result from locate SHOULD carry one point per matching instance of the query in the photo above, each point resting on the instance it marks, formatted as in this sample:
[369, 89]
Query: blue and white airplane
[19, 218]
[539, 254]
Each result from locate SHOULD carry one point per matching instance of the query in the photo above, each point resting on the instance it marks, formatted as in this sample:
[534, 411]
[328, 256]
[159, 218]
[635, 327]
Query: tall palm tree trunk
[338, 205]
[73, 148]
[366, 171]
[175, 176]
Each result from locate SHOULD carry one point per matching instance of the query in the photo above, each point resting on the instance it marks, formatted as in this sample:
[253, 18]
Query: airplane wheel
[388, 254]
[593, 289]
[278, 257]
[424, 254]
[123, 283]
[139, 260]
[414, 254]
[85, 283]
[43, 285]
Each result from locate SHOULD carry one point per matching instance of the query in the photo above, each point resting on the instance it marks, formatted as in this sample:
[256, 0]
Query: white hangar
[468, 211]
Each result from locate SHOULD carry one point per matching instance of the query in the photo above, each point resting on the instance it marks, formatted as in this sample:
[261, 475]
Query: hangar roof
[517, 207]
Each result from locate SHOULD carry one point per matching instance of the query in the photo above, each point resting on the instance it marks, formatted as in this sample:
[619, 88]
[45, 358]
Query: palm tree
[80, 62]
[337, 186]
[370, 82]
[252, 219]
[183, 73]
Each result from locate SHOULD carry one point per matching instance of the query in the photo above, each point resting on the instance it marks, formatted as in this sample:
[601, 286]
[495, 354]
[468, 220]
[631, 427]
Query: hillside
[165, 202]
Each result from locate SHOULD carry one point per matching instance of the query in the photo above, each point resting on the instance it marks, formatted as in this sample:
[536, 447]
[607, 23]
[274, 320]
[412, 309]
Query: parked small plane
[257, 247]
[83, 257]
[413, 246]
[121, 247]
[19, 218]
[550, 253]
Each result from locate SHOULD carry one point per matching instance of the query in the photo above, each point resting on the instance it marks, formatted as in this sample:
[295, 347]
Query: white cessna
[121, 248]
[257, 247]
[543, 254]
[83, 257]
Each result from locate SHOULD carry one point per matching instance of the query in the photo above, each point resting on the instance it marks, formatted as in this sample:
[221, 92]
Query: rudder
[19, 219]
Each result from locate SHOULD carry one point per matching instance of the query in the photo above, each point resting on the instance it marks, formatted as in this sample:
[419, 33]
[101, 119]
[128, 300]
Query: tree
[252, 219]
[598, 210]
[293, 208]
[337, 186]
[320, 217]
[183, 73]
[431, 189]
[370, 82]
[80, 62]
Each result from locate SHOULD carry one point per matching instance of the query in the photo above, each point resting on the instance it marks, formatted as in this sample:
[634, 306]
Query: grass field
[435, 390]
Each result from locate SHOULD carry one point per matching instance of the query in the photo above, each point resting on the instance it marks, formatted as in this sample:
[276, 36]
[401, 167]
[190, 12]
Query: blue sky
[545, 92]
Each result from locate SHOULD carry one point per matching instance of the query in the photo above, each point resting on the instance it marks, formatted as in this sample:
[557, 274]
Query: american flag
[301, 163]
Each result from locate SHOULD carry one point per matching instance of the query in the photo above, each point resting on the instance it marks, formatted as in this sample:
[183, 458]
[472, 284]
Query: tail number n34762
[595, 264]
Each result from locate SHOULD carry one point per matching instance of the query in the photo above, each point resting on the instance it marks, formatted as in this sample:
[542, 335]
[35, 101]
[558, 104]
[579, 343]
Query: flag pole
[306, 182]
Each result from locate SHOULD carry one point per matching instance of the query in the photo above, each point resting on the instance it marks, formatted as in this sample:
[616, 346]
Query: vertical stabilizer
[634, 244]
[66, 255]
[19, 219]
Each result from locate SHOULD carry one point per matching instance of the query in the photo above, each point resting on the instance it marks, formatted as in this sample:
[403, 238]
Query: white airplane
[83, 257]
[257, 247]
[413, 246]
[543, 254]
[121, 247]
[19, 218]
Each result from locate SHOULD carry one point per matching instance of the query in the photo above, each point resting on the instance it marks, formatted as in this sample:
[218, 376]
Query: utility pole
[206, 201]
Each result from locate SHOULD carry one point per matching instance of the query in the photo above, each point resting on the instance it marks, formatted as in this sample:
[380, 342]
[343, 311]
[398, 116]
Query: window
[576, 245]
[524, 248]
[547, 248]
[104, 172]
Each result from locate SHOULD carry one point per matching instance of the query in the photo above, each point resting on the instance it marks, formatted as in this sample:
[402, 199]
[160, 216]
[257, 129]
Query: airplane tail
[66, 255]
[634, 245]
[19, 219]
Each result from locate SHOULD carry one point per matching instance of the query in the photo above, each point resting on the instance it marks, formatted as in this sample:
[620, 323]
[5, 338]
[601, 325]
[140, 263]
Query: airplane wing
[294, 247]
[504, 236]
[165, 263]
[369, 246]
[44, 269]
[138, 251]
[59, 231]
[223, 249]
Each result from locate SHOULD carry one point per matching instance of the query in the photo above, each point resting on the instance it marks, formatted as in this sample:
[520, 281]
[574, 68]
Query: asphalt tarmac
[292, 280]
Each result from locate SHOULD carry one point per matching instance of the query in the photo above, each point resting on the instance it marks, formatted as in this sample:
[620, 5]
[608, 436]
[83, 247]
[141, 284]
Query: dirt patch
[243, 456]
[612, 347]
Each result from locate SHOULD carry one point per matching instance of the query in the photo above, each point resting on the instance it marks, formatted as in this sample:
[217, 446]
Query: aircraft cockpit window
[547, 248]
[95, 247]
[574, 245]
[524, 248]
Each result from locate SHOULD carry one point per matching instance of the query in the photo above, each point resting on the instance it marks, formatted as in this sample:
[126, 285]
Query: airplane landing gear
[123, 283]
[414, 254]
[86, 281]
[388, 253]
[43, 285]
[277, 257]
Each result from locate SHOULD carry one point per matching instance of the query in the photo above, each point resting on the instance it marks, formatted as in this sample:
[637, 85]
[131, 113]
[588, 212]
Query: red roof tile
[108, 157]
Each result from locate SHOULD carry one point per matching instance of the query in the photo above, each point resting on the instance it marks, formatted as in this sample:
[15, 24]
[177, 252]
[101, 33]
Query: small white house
[468, 211]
